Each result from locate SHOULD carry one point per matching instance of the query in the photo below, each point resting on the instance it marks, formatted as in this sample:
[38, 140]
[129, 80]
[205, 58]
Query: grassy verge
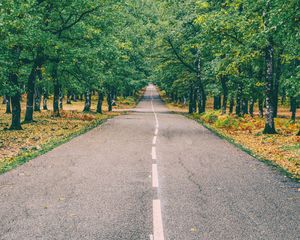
[46, 132]
[281, 150]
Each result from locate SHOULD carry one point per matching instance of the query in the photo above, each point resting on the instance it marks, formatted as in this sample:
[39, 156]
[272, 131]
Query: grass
[47, 132]
[281, 150]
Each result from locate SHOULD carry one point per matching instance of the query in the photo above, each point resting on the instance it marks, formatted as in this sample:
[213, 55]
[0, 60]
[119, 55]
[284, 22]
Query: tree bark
[8, 105]
[74, 98]
[276, 83]
[37, 100]
[16, 105]
[270, 124]
[251, 107]
[225, 94]
[191, 100]
[109, 101]
[217, 102]
[30, 95]
[69, 97]
[245, 106]
[61, 98]
[293, 103]
[100, 102]
[283, 96]
[56, 87]
[231, 105]
[87, 104]
[45, 99]
[4, 99]
[238, 101]
[261, 107]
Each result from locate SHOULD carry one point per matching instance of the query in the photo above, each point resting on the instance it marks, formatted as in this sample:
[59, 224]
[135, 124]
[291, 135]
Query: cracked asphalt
[98, 186]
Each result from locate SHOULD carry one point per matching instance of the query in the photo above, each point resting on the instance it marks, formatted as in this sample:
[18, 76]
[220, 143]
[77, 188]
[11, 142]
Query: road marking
[154, 153]
[154, 176]
[154, 140]
[158, 231]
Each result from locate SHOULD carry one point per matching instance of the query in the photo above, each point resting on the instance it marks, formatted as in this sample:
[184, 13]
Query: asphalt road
[148, 175]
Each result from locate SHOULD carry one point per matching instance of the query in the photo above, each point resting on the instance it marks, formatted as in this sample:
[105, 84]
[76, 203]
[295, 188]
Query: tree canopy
[239, 52]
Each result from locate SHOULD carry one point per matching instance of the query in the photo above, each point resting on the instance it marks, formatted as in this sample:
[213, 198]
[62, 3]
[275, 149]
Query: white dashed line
[154, 140]
[158, 231]
[154, 176]
[154, 153]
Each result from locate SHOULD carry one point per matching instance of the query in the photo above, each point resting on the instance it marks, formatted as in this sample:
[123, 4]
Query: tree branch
[179, 57]
[81, 16]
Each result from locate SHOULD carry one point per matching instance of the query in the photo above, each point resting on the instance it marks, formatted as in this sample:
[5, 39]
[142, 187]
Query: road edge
[47, 147]
[284, 172]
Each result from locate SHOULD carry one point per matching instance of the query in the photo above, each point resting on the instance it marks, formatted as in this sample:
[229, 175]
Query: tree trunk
[217, 102]
[37, 100]
[225, 94]
[45, 99]
[276, 83]
[61, 98]
[245, 106]
[231, 105]
[283, 96]
[4, 99]
[100, 102]
[16, 105]
[69, 97]
[87, 104]
[8, 105]
[56, 89]
[238, 101]
[270, 124]
[191, 100]
[261, 107]
[293, 103]
[56, 99]
[109, 101]
[30, 95]
[203, 98]
[251, 107]
[74, 98]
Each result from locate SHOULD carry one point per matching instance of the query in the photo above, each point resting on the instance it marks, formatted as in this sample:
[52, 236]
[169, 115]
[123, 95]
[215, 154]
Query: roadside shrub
[210, 117]
[226, 122]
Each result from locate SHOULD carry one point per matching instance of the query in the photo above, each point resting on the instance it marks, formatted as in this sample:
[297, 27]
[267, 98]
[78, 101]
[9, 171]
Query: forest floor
[282, 149]
[47, 132]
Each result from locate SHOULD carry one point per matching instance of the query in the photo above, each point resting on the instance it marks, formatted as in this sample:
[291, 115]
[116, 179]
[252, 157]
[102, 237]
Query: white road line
[154, 153]
[156, 131]
[154, 176]
[154, 140]
[158, 231]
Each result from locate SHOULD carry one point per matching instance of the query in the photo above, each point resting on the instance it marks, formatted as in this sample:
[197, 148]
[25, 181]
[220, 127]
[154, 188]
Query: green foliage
[210, 117]
[227, 122]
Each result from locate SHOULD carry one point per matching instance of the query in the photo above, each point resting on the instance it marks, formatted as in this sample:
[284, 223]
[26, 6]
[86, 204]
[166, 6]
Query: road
[148, 175]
